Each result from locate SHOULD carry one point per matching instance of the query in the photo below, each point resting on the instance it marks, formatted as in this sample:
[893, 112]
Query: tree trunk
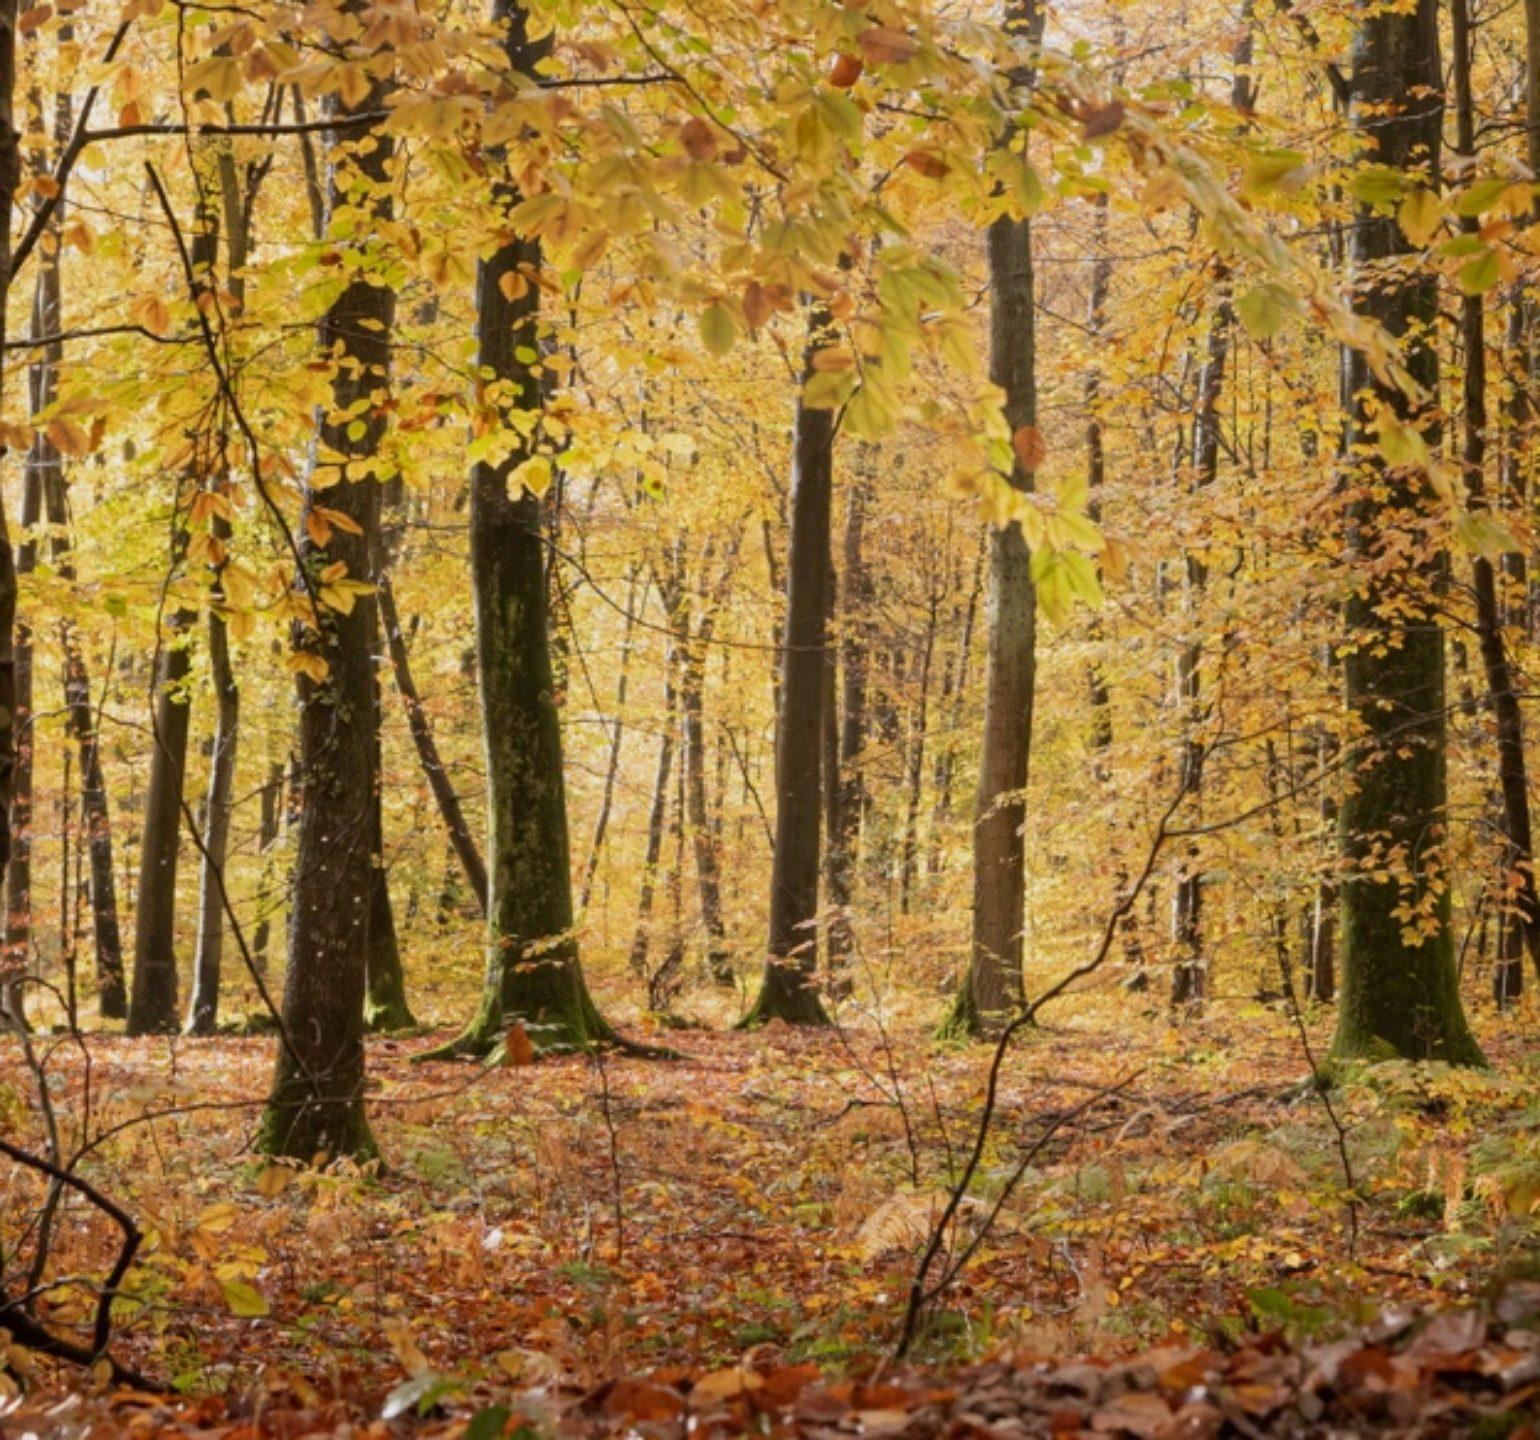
[269, 825]
[692, 689]
[203, 1010]
[43, 388]
[533, 973]
[460, 837]
[219, 801]
[994, 983]
[152, 1008]
[788, 990]
[10, 178]
[1502, 692]
[317, 1102]
[617, 738]
[657, 814]
[1400, 992]
[909, 854]
[855, 643]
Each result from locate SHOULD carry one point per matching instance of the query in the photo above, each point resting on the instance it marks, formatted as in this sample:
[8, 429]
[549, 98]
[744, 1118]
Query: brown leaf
[845, 70]
[1100, 120]
[1030, 447]
[517, 1047]
[699, 139]
[883, 45]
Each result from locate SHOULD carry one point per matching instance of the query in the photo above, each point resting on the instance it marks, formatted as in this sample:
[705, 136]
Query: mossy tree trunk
[533, 973]
[316, 1105]
[1399, 991]
[789, 988]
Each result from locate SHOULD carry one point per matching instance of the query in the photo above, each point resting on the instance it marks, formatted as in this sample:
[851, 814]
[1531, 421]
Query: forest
[805, 718]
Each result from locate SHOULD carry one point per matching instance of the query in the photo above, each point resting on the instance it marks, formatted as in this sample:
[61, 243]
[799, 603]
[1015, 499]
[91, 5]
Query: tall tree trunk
[1400, 992]
[316, 1103]
[153, 1004]
[385, 1002]
[533, 974]
[43, 388]
[703, 841]
[1189, 973]
[449, 807]
[270, 815]
[855, 644]
[1502, 692]
[909, 854]
[657, 813]
[219, 801]
[788, 990]
[994, 982]
[617, 738]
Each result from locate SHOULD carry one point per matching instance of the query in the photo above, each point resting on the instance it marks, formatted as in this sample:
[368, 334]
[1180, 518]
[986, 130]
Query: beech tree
[1399, 992]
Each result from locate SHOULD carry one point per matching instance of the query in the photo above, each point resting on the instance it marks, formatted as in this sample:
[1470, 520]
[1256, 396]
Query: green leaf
[828, 389]
[1268, 170]
[717, 331]
[421, 1392]
[1480, 274]
[1480, 197]
[244, 1300]
[1377, 185]
[1265, 310]
[1483, 533]
[488, 1424]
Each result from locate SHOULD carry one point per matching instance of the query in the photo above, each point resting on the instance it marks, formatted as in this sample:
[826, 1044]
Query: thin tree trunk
[269, 824]
[703, 840]
[855, 646]
[153, 1005]
[788, 990]
[617, 738]
[1502, 692]
[449, 807]
[915, 762]
[657, 814]
[994, 983]
[219, 801]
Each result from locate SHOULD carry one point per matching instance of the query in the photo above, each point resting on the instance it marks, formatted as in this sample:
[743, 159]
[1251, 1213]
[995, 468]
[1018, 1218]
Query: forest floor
[746, 1220]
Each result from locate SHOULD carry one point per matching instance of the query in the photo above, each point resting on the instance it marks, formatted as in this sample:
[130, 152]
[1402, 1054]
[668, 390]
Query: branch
[921, 1294]
[31, 1333]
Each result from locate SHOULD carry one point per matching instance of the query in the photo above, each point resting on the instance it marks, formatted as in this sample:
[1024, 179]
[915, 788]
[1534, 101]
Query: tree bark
[848, 776]
[10, 178]
[533, 973]
[1502, 692]
[788, 990]
[1400, 993]
[219, 800]
[316, 1104]
[994, 983]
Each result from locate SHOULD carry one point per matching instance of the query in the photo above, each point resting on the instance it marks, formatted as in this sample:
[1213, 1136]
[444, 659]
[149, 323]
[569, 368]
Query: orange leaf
[1030, 447]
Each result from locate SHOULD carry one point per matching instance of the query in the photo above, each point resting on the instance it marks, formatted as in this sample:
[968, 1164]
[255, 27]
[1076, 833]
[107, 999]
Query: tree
[533, 973]
[994, 980]
[788, 990]
[1399, 990]
[153, 1008]
[316, 1105]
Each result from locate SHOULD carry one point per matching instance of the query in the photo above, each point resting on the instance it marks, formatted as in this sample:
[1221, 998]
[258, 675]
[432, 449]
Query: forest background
[515, 519]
